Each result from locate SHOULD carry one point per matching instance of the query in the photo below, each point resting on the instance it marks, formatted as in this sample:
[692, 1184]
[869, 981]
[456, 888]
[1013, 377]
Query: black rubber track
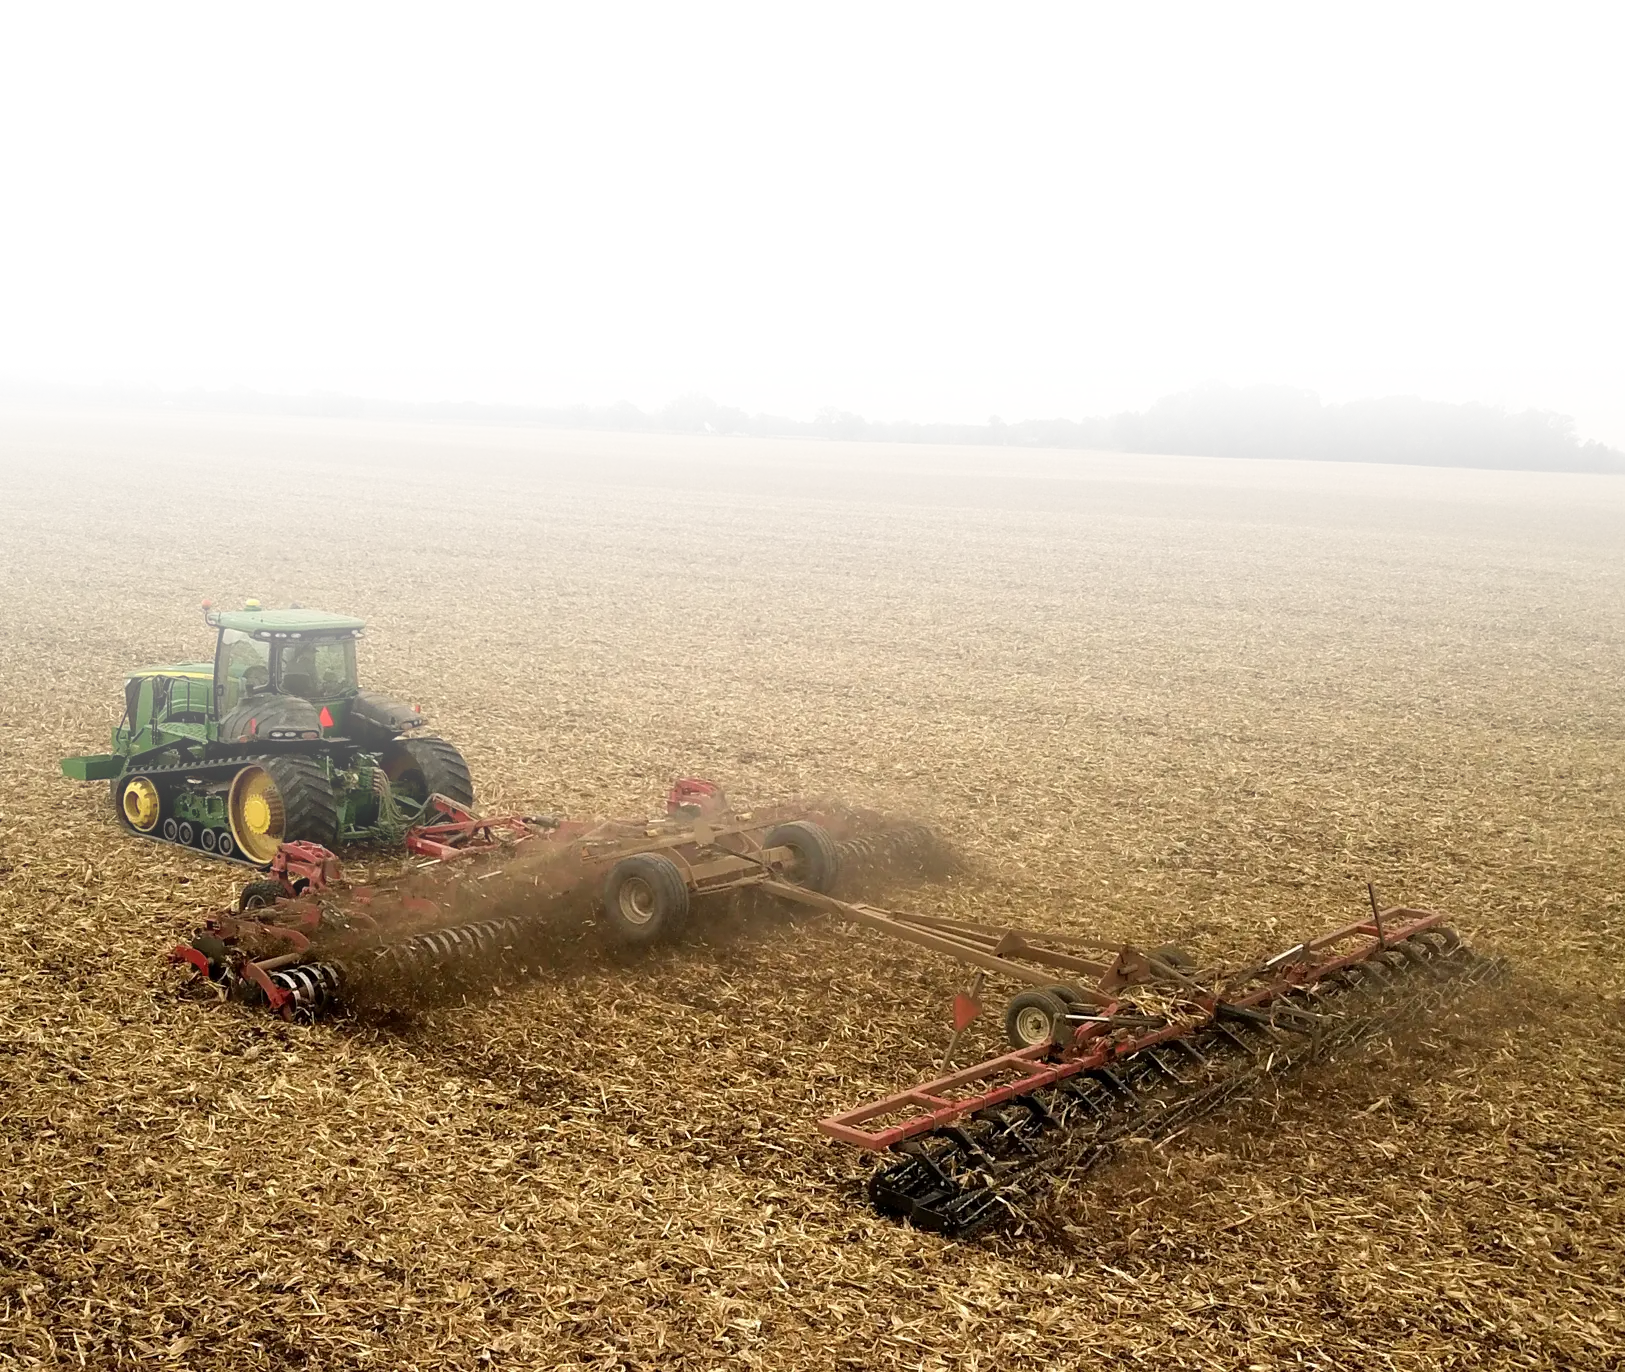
[435, 766]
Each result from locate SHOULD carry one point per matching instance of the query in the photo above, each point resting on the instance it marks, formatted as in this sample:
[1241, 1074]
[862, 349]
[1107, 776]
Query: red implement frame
[458, 832]
[304, 867]
[959, 1094]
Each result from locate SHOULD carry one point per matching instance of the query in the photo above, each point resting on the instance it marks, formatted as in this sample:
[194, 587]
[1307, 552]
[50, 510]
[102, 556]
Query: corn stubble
[1153, 700]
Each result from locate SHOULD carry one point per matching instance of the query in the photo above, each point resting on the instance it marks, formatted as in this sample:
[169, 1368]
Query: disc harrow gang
[973, 1147]
[492, 891]
[489, 944]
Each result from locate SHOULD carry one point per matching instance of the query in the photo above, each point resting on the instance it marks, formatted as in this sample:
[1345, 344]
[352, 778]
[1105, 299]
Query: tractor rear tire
[645, 898]
[298, 803]
[815, 861]
[427, 766]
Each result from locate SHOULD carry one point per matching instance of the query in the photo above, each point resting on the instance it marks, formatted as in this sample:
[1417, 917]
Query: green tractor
[274, 741]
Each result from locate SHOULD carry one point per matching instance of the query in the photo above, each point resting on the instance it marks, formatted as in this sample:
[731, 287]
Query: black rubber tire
[1176, 957]
[215, 950]
[817, 861]
[1020, 1016]
[267, 712]
[428, 766]
[257, 895]
[309, 810]
[645, 899]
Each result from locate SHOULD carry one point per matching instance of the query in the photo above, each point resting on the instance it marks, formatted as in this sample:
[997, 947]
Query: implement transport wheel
[140, 805]
[1034, 1017]
[278, 799]
[422, 767]
[258, 895]
[814, 861]
[645, 898]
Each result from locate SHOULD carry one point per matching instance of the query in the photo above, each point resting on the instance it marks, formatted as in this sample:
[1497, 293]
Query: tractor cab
[303, 653]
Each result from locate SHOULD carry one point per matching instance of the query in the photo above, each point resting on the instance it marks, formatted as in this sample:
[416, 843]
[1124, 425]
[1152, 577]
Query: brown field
[1155, 698]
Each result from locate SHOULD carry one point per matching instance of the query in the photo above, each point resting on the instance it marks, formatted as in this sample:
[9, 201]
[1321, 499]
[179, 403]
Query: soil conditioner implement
[1103, 1042]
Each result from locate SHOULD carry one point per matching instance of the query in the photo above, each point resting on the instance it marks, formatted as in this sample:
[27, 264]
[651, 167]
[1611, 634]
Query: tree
[852, 426]
[624, 415]
[1094, 431]
[837, 423]
[1058, 433]
[1128, 429]
[1213, 413]
[330, 403]
[1162, 428]
[693, 412]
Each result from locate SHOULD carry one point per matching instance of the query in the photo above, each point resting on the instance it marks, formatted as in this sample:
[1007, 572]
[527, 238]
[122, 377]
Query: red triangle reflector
[326, 719]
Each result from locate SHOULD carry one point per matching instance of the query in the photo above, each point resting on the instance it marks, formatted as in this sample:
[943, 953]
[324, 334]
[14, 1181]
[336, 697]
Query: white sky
[911, 211]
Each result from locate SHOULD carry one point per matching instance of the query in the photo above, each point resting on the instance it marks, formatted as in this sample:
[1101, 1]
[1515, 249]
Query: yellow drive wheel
[256, 814]
[140, 803]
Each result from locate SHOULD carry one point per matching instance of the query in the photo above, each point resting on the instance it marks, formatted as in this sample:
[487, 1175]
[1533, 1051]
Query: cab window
[317, 669]
[242, 665]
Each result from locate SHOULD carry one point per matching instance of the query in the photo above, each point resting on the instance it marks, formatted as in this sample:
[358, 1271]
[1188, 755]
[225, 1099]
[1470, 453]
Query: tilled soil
[1155, 699]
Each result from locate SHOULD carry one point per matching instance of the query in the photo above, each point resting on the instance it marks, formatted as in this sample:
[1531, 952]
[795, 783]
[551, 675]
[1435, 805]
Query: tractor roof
[286, 621]
[199, 671]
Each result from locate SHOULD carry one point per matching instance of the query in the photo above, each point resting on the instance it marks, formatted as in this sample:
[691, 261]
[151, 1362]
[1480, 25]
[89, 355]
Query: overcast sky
[910, 211]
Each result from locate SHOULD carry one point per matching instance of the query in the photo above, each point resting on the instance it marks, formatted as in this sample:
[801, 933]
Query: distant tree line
[1279, 422]
[238, 395]
[473, 410]
[1213, 421]
[121, 390]
[694, 412]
